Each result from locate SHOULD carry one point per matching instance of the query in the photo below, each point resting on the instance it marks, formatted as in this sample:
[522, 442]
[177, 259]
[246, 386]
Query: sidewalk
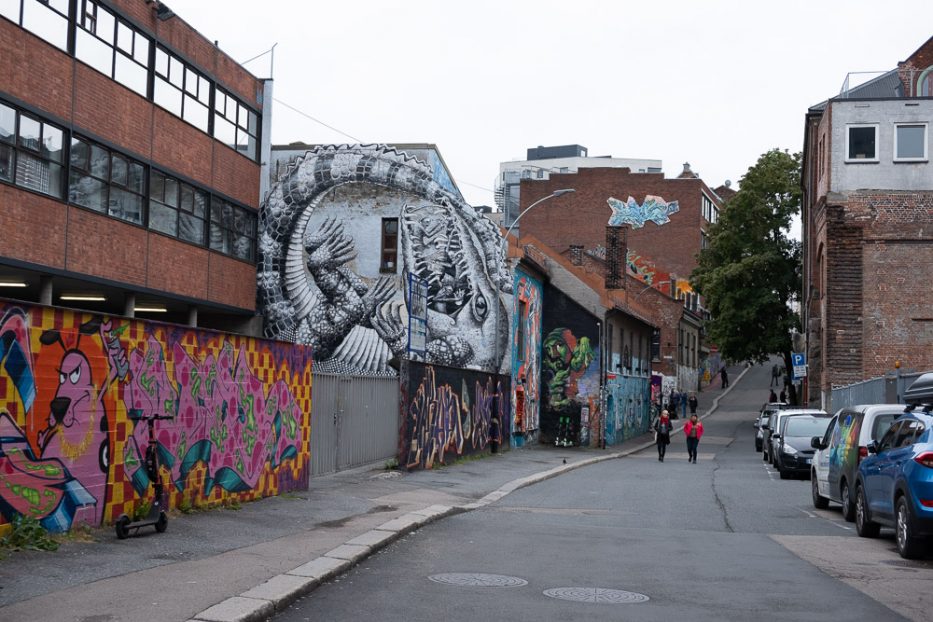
[225, 565]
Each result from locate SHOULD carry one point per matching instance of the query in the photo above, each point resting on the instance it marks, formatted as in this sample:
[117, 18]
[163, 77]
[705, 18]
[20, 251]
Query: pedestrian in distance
[775, 376]
[673, 404]
[724, 375]
[693, 402]
[772, 397]
[783, 395]
[662, 434]
[693, 430]
[683, 402]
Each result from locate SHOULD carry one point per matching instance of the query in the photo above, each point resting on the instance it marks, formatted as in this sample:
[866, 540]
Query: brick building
[130, 150]
[868, 228]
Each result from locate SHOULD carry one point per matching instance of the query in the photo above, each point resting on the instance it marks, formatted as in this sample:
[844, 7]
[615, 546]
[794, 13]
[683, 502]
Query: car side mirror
[873, 447]
[816, 442]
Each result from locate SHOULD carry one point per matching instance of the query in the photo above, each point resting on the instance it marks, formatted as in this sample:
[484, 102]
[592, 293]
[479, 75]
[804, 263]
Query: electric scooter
[156, 516]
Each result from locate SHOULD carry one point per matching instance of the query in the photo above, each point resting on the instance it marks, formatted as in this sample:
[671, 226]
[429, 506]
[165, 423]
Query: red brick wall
[231, 282]
[24, 58]
[112, 111]
[32, 227]
[168, 259]
[581, 218]
[910, 70]
[179, 147]
[106, 247]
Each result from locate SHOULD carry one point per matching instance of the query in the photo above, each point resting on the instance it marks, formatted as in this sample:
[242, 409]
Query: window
[181, 90]
[106, 181]
[112, 46]
[31, 152]
[232, 230]
[910, 142]
[710, 211]
[47, 19]
[235, 125]
[862, 143]
[177, 209]
[389, 255]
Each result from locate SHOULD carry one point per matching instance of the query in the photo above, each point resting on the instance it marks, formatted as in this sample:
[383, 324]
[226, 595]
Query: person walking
[724, 375]
[776, 375]
[693, 430]
[783, 396]
[662, 434]
[772, 397]
[693, 402]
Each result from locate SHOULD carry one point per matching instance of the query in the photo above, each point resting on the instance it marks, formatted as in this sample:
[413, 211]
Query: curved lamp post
[504, 244]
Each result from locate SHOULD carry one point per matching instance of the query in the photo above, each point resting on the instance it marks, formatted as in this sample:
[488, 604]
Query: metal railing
[887, 389]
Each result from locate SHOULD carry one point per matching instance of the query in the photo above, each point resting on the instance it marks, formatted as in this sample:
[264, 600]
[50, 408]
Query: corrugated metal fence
[354, 421]
[884, 390]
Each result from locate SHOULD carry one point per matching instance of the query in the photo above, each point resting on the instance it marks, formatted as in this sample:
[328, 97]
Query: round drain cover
[595, 595]
[473, 579]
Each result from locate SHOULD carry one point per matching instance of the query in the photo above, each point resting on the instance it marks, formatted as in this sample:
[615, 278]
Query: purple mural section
[449, 413]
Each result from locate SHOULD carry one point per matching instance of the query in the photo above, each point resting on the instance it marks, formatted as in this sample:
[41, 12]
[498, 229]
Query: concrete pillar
[193, 316]
[45, 290]
[129, 305]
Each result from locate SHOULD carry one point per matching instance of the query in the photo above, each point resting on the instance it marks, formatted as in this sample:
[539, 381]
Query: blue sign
[799, 361]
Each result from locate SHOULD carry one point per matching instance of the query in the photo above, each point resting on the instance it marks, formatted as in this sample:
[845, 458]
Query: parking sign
[799, 361]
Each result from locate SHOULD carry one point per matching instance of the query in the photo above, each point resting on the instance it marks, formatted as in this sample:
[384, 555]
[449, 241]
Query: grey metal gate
[354, 421]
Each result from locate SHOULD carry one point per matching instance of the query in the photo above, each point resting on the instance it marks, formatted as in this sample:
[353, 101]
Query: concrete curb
[273, 596]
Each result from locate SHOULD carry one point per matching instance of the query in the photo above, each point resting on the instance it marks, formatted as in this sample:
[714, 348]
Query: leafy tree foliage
[751, 271]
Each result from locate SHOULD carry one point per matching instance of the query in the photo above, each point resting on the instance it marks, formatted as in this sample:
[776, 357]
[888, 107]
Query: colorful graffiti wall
[569, 371]
[450, 413]
[627, 408]
[526, 357]
[76, 390]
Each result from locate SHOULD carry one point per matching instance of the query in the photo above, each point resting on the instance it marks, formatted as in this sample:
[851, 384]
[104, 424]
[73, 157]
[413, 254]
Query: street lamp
[502, 247]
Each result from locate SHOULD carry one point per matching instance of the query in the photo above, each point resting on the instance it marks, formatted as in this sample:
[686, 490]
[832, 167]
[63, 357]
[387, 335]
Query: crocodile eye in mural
[655, 209]
[323, 282]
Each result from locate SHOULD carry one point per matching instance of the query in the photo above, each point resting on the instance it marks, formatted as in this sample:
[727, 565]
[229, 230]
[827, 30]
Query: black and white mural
[340, 232]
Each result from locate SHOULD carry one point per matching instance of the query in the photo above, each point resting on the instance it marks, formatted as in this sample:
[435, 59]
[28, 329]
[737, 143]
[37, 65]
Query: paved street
[724, 539]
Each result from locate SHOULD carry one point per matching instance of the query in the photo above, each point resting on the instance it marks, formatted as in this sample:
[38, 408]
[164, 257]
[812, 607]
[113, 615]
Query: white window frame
[926, 152]
[851, 126]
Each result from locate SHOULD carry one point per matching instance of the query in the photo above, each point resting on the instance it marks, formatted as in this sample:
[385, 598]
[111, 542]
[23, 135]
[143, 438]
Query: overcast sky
[713, 83]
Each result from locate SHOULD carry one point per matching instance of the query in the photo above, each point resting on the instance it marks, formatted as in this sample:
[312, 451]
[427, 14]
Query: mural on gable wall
[326, 280]
[75, 390]
[451, 413]
[655, 209]
[627, 408]
[569, 370]
[526, 356]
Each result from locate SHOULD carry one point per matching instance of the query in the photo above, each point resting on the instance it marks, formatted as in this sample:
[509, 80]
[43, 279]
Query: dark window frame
[388, 250]
[88, 21]
[39, 153]
[45, 5]
[228, 108]
[224, 218]
[112, 186]
[191, 93]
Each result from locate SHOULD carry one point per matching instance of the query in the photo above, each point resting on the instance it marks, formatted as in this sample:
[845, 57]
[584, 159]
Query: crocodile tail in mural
[310, 294]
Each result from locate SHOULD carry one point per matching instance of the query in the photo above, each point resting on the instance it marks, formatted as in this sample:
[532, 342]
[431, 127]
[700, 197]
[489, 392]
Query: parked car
[839, 452]
[762, 422]
[794, 451]
[894, 486]
[770, 443]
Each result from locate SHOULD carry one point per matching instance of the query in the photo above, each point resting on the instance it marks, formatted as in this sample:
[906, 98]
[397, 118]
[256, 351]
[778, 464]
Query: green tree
[750, 273]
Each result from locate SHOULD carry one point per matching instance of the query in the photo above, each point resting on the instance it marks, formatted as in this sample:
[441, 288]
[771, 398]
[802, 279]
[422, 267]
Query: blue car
[894, 486]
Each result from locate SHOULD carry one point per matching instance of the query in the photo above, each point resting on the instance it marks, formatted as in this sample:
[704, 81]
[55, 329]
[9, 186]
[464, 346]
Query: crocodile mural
[321, 282]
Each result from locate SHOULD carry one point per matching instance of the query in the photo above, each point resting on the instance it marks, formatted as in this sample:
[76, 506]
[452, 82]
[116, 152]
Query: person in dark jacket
[724, 375]
[693, 403]
[662, 433]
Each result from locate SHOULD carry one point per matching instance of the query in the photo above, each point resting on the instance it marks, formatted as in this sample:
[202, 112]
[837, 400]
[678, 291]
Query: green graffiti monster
[565, 360]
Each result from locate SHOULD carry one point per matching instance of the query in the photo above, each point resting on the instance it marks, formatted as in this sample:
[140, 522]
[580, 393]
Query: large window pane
[118, 172]
[224, 131]
[195, 113]
[157, 186]
[46, 23]
[161, 63]
[167, 96]
[136, 178]
[125, 38]
[191, 228]
[37, 174]
[130, 74]
[29, 133]
[80, 151]
[126, 205]
[52, 143]
[162, 218]
[94, 52]
[7, 124]
[862, 143]
[106, 25]
[171, 192]
[86, 191]
[10, 10]
[100, 163]
[141, 49]
[911, 141]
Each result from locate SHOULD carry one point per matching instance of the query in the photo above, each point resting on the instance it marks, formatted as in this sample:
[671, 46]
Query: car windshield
[807, 426]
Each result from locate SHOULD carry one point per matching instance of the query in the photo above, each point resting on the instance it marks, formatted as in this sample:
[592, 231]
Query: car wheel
[864, 525]
[908, 545]
[819, 501]
[848, 507]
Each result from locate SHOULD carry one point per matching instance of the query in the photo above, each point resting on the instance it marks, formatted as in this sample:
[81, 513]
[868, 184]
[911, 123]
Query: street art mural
[628, 412]
[569, 371]
[526, 357]
[333, 233]
[654, 209]
[76, 390]
[452, 413]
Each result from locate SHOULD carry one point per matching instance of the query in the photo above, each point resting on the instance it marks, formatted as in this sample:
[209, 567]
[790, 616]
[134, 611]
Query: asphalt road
[724, 539]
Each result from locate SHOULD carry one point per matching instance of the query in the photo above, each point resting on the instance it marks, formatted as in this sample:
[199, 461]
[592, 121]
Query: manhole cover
[473, 579]
[595, 595]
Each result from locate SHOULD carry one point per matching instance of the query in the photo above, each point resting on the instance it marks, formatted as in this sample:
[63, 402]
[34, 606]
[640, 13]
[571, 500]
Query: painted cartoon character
[565, 360]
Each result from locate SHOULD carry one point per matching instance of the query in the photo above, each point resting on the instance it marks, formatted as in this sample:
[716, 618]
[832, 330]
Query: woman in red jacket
[693, 429]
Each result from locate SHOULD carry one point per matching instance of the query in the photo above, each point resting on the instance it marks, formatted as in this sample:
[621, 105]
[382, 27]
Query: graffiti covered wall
[526, 357]
[569, 370]
[627, 408]
[452, 413]
[339, 234]
[75, 390]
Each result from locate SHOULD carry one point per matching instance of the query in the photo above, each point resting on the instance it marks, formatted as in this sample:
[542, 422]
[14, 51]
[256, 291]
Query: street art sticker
[526, 355]
[654, 209]
[75, 393]
[316, 287]
[451, 413]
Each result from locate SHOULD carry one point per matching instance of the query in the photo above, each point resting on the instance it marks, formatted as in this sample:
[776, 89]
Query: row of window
[114, 47]
[910, 142]
[710, 211]
[32, 155]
